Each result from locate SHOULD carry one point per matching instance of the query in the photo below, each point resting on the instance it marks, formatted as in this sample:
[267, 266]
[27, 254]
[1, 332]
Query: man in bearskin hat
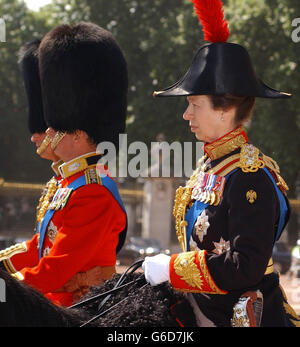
[234, 207]
[26, 254]
[29, 66]
[84, 87]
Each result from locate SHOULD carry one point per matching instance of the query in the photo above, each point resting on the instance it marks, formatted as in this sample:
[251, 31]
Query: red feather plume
[210, 14]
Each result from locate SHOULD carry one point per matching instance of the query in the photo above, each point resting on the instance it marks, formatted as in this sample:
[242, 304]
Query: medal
[209, 188]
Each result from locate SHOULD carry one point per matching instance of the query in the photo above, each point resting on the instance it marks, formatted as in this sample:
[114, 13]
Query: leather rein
[106, 295]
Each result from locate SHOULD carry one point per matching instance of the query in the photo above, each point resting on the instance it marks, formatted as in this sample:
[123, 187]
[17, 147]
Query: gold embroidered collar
[76, 165]
[226, 144]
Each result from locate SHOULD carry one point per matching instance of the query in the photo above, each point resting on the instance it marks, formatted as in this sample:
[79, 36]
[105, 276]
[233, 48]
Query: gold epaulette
[250, 159]
[92, 176]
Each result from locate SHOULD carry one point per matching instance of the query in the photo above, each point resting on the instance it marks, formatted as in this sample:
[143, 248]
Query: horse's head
[25, 306]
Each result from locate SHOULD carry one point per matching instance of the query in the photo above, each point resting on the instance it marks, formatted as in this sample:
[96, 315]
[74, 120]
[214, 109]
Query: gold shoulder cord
[182, 200]
[45, 199]
[273, 166]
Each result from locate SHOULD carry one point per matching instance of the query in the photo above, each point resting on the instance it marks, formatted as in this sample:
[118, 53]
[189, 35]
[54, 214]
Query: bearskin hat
[29, 65]
[84, 81]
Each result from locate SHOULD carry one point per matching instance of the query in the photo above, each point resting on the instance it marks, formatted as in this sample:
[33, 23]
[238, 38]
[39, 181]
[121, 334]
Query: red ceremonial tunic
[80, 236]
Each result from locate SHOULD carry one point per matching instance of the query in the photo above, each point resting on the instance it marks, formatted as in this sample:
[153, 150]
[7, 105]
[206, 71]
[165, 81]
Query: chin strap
[57, 138]
[44, 145]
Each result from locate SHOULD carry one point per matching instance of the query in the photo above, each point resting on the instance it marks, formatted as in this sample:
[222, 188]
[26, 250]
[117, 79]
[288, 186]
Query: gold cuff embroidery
[11, 251]
[188, 271]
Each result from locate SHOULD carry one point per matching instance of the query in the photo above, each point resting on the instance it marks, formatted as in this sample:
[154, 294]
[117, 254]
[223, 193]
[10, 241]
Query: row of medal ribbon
[209, 188]
[60, 198]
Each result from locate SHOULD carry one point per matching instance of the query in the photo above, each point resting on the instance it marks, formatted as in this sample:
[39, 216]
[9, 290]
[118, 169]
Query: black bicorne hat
[29, 65]
[220, 67]
[84, 81]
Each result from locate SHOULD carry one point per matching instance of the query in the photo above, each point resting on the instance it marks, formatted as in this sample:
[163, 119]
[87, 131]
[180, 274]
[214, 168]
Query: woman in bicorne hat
[234, 207]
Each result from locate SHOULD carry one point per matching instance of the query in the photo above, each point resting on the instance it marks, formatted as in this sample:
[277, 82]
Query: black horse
[133, 304]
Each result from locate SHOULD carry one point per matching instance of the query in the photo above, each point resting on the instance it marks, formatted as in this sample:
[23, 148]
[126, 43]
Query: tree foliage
[17, 158]
[159, 39]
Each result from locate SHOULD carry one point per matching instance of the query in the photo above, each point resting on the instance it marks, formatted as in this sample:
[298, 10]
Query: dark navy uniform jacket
[228, 217]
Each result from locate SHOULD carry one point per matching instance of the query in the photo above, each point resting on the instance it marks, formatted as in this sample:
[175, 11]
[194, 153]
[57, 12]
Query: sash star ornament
[221, 246]
[201, 225]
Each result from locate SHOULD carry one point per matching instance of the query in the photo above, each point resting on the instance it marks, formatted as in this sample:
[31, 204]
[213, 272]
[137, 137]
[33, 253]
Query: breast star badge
[201, 226]
[251, 196]
[221, 246]
[52, 231]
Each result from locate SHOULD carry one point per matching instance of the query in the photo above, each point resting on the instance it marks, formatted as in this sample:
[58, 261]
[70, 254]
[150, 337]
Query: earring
[222, 118]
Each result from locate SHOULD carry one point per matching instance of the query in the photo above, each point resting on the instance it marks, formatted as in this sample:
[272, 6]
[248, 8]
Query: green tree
[159, 39]
[17, 158]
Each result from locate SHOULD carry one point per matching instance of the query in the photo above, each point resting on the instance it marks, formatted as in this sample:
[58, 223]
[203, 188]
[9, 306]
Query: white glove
[156, 269]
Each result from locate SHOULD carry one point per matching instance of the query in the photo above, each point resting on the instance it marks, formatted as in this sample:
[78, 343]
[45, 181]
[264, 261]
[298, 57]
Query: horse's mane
[136, 306]
[144, 306]
[25, 306]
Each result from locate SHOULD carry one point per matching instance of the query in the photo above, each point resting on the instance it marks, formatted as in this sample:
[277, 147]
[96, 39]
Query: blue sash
[79, 182]
[283, 206]
[199, 206]
[193, 214]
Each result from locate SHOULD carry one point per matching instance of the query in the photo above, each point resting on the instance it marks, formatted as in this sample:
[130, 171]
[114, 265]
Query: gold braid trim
[273, 166]
[12, 250]
[202, 260]
[289, 310]
[57, 138]
[44, 145]
[226, 144]
[46, 198]
[9, 252]
[9, 266]
[182, 200]
[223, 163]
[185, 267]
